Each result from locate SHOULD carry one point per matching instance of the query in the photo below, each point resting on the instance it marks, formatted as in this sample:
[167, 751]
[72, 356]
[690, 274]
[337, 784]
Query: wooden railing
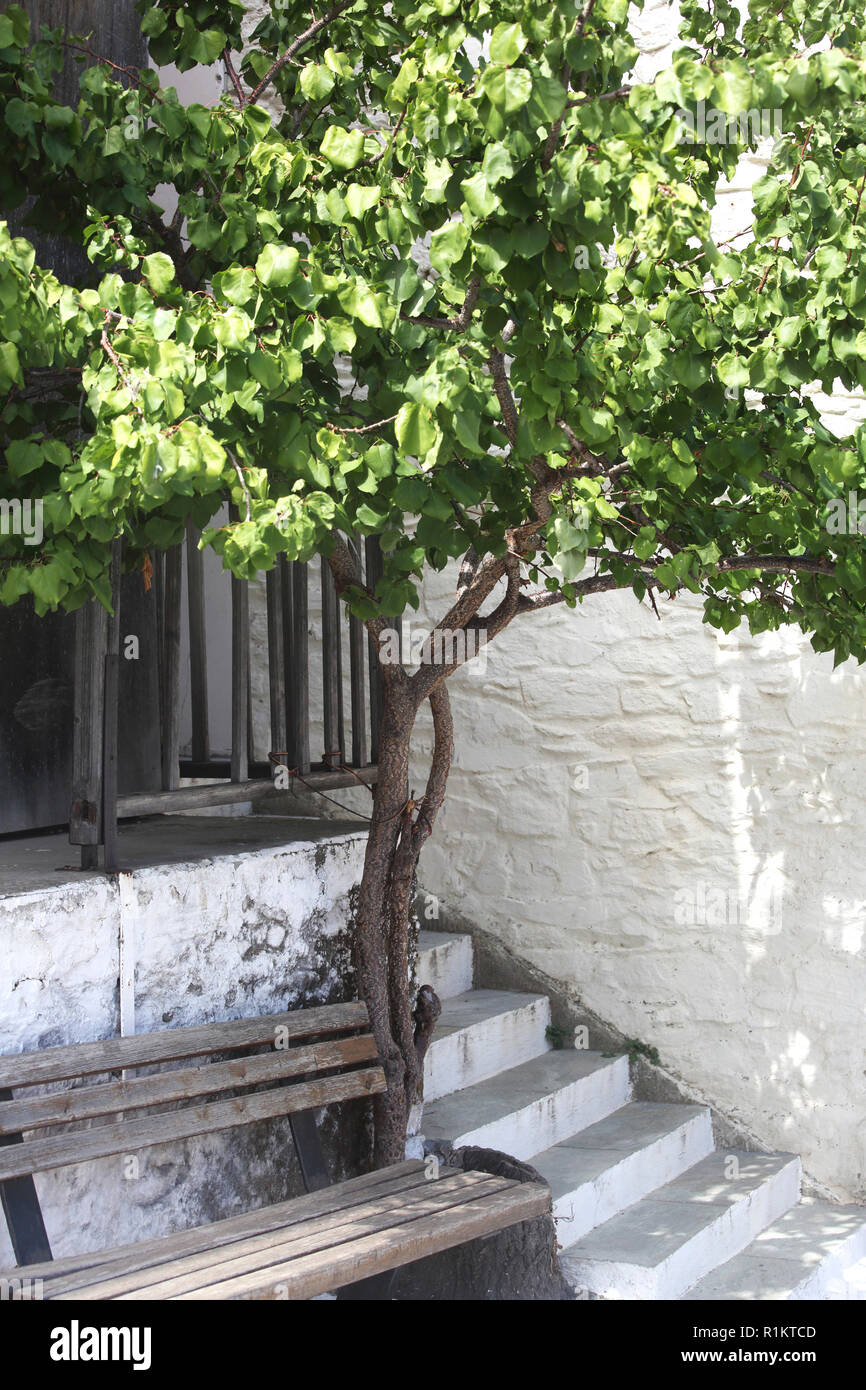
[97, 806]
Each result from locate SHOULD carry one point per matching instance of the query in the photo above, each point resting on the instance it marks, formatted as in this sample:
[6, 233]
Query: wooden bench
[281, 1065]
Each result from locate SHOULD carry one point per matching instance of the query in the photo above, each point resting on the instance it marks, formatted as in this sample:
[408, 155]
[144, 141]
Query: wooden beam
[233, 793]
[277, 659]
[144, 1049]
[61, 1150]
[71, 1272]
[200, 1079]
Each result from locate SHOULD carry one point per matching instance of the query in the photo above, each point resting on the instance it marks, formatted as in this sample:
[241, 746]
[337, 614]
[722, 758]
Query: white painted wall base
[252, 932]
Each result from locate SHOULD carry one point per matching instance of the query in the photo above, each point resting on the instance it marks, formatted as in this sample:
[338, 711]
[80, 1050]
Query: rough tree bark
[399, 827]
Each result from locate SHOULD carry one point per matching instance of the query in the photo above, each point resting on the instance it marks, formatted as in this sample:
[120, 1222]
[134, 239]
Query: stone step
[530, 1107]
[599, 1172]
[482, 1032]
[817, 1250]
[445, 962]
[666, 1242]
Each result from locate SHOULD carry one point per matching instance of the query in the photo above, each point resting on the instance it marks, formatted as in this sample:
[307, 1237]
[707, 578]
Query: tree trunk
[398, 829]
[371, 943]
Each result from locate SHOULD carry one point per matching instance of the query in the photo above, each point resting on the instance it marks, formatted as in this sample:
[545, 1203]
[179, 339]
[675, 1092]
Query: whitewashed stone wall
[670, 821]
[252, 932]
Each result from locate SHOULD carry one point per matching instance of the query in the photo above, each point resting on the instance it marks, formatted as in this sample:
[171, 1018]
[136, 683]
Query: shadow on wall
[669, 821]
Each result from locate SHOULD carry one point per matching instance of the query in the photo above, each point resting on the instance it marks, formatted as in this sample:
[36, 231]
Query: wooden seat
[335, 1235]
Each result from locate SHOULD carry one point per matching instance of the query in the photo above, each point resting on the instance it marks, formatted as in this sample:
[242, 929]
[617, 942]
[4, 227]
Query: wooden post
[240, 680]
[297, 653]
[356, 671]
[197, 647]
[332, 671]
[110, 724]
[171, 668]
[85, 815]
[22, 1210]
[277, 658]
[373, 557]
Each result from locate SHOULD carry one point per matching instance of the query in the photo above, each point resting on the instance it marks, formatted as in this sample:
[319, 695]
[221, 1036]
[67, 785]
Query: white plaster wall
[233, 936]
[670, 821]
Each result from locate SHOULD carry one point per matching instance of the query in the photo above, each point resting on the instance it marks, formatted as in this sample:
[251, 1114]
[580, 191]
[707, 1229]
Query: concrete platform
[32, 863]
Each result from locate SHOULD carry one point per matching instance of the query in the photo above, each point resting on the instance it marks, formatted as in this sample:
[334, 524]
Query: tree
[585, 394]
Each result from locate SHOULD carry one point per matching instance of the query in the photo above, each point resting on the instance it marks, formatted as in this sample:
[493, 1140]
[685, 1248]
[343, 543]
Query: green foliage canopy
[577, 360]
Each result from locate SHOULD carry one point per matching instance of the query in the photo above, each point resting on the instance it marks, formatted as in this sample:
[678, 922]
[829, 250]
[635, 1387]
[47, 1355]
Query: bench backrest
[313, 1057]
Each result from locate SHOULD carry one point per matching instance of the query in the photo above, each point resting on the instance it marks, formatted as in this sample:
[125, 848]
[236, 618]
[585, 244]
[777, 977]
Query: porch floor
[32, 863]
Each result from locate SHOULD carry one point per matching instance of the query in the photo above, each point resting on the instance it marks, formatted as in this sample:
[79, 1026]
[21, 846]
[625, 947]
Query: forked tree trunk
[398, 830]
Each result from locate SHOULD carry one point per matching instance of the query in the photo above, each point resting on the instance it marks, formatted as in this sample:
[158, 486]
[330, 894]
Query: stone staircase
[645, 1206]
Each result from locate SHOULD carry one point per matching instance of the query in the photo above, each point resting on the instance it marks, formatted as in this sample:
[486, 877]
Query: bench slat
[316, 1256]
[59, 1151]
[74, 1271]
[116, 1054]
[374, 1253]
[264, 1248]
[90, 1102]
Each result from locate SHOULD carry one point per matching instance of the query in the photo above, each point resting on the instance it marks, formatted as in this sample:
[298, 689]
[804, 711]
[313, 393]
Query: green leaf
[480, 200]
[207, 45]
[415, 429]
[507, 42]
[360, 198]
[23, 457]
[360, 303]
[570, 563]
[316, 82]
[507, 89]
[641, 189]
[158, 269]
[344, 149]
[548, 98]
[447, 245]
[10, 368]
[278, 265]
[496, 164]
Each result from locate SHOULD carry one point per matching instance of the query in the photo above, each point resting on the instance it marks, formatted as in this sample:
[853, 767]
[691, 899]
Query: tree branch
[468, 569]
[235, 80]
[293, 47]
[503, 394]
[460, 322]
[605, 583]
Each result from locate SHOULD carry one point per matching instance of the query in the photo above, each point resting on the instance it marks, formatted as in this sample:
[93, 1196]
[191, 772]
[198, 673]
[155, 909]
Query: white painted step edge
[445, 962]
[799, 1257]
[729, 1229]
[484, 1046]
[532, 1126]
[632, 1177]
